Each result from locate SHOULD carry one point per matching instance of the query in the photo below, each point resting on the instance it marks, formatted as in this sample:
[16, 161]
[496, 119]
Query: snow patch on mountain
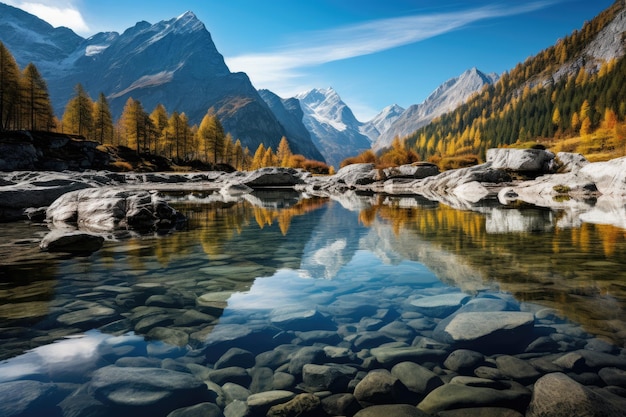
[334, 129]
[381, 122]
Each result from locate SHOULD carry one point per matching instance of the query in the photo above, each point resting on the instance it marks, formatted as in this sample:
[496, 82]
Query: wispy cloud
[62, 13]
[284, 66]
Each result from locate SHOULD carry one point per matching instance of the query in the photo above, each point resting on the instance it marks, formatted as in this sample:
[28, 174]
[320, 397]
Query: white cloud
[283, 68]
[62, 13]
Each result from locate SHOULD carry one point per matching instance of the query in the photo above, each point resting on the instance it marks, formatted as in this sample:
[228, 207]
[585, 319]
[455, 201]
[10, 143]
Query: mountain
[173, 62]
[445, 98]
[333, 127]
[381, 122]
[569, 97]
[290, 115]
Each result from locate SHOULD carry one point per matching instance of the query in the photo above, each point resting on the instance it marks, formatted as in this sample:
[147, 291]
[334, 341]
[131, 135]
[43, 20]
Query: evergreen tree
[102, 121]
[9, 88]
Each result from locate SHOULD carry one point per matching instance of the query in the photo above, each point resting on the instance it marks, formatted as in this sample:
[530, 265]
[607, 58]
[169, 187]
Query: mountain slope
[445, 98]
[570, 96]
[381, 122]
[173, 62]
[290, 115]
[333, 127]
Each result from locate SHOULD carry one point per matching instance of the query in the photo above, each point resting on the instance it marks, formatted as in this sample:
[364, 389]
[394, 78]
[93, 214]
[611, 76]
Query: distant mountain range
[173, 62]
[149, 63]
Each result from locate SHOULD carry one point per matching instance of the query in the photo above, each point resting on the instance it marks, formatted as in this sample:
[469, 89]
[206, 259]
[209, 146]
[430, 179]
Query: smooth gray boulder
[416, 378]
[417, 170]
[273, 177]
[570, 162]
[609, 176]
[106, 210]
[486, 331]
[355, 174]
[521, 160]
[147, 388]
[453, 396]
[558, 395]
[380, 387]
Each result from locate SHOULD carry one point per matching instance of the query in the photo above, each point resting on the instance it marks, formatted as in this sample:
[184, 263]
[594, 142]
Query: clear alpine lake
[252, 293]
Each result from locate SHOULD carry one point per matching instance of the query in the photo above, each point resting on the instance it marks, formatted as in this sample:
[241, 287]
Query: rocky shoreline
[510, 177]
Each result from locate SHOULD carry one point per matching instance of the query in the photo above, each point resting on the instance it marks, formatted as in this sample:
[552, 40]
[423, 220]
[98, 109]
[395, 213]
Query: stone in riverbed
[301, 320]
[380, 387]
[486, 331]
[517, 369]
[28, 398]
[463, 360]
[453, 396]
[332, 378]
[198, 410]
[416, 378]
[233, 374]
[147, 388]
[388, 410]
[260, 403]
[235, 357]
[558, 395]
[341, 405]
[74, 241]
[390, 355]
[440, 305]
[300, 405]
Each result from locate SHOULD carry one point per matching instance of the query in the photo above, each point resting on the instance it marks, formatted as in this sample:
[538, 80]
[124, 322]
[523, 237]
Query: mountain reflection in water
[137, 284]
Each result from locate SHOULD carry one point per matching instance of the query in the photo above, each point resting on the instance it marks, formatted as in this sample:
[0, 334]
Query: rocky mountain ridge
[445, 98]
[146, 63]
[334, 129]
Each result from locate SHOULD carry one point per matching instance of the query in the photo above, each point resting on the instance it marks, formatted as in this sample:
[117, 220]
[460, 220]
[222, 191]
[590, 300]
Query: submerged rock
[61, 240]
[558, 395]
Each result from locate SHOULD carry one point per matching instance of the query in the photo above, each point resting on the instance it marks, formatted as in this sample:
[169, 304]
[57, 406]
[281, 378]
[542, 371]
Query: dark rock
[390, 355]
[272, 177]
[388, 410]
[234, 392]
[61, 240]
[341, 405]
[517, 369]
[83, 405]
[481, 412]
[453, 396]
[263, 380]
[198, 410]
[306, 355]
[380, 387]
[463, 360]
[235, 357]
[332, 378]
[613, 376]
[234, 374]
[416, 378]
[302, 405]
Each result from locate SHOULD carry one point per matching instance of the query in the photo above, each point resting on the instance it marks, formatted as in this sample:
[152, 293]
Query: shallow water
[283, 270]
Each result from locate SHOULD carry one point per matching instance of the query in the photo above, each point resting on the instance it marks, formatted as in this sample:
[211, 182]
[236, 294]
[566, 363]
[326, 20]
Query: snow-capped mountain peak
[334, 128]
[325, 105]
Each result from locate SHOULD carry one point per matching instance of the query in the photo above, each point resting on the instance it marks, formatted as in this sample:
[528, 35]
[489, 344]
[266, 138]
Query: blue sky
[373, 52]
